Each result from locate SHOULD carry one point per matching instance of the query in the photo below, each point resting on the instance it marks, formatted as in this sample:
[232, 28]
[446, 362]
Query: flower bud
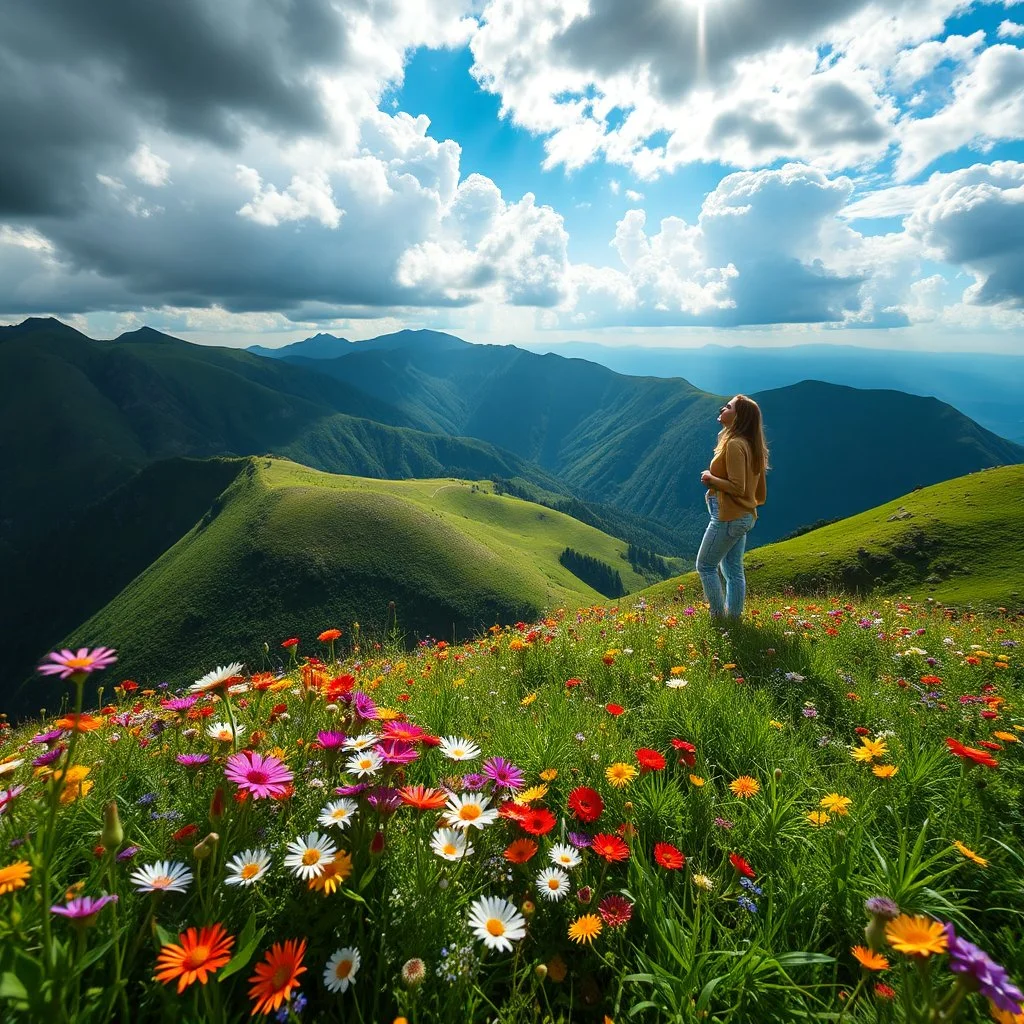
[203, 849]
[113, 834]
[528, 908]
[541, 970]
[778, 774]
[584, 894]
[217, 805]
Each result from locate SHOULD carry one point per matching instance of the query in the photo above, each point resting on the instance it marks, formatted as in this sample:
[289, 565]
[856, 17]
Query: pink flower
[67, 663]
[258, 775]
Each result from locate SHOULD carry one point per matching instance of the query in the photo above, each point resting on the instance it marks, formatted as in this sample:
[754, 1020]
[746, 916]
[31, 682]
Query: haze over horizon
[664, 173]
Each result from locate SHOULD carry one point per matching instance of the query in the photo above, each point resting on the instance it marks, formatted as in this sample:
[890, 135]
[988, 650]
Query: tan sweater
[737, 486]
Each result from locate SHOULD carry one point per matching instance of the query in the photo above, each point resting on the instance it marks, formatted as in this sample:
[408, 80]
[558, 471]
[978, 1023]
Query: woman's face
[727, 414]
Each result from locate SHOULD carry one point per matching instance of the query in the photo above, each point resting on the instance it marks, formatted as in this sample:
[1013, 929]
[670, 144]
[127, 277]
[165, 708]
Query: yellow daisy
[620, 774]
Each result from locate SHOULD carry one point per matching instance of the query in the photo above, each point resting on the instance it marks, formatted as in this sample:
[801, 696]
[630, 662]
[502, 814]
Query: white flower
[341, 969]
[163, 876]
[307, 857]
[222, 731]
[217, 677]
[795, 677]
[366, 763]
[456, 749]
[247, 867]
[564, 856]
[470, 809]
[450, 845]
[497, 922]
[676, 683]
[367, 739]
[338, 812]
[9, 766]
[552, 883]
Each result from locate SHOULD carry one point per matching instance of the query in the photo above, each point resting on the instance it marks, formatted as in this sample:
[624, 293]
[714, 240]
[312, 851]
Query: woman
[736, 486]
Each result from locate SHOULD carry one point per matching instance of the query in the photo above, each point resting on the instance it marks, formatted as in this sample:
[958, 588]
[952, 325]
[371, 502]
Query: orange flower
[916, 936]
[328, 635]
[276, 975]
[422, 798]
[884, 771]
[199, 954]
[79, 723]
[14, 876]
[745, 786]
[870, 960]
[520, 851]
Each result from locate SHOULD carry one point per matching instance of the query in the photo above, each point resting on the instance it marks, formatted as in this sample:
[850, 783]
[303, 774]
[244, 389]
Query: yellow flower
[515, 644]
[620, 774]
[334, 873]
[696, 780]
[745, 786]
[885, 771]
[729, 664]
[458, 682]
[388, 714]
[818, 818]
[869, 750]
[916, 936]
[777, 725]
[549, 774]
[1006, 737]
[14, 876]
[870, 960]
[585, 929]
[528, 699]
[836, 804]
[970, 854]
[531, 794]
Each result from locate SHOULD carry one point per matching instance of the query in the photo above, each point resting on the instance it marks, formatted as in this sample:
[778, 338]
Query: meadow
[610, 814]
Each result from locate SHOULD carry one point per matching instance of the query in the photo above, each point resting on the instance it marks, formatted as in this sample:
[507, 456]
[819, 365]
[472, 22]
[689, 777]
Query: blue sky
[664, 172]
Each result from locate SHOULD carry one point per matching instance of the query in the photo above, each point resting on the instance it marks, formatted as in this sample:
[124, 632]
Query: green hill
[958, 542]
[286, 548]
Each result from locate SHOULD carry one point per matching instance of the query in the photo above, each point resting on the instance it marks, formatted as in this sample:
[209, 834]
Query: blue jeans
[724, 544]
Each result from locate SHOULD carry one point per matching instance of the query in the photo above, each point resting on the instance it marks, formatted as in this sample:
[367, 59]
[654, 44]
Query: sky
[657, 172]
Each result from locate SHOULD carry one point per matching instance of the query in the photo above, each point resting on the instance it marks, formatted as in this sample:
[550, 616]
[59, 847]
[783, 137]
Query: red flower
[129, 686]
[429, 740]
[989, 714]
[586, 804]
[422, 798]
[614, 709]
[989, 745]
[338, 686]
[741, 865]
[971, 754]
[668, 856]
[185, 833]
[291, 642]
[538, 821]
[883, 991]
[611, 848]
[861, 731]
[513, 811]
[931, 680]
[570, 683]
[650, 760]
[687, 752]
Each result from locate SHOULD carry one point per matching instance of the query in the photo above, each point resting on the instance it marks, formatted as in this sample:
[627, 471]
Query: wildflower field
[612, 814]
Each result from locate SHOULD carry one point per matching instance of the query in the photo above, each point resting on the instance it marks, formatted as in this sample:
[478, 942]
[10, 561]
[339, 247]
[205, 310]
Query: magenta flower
[330, 740]
[615, 910]
[193, 760]
[504, 774]
[258, 775]
[83, 909]
[67, 664]
[991, 979]
[8, 796]
[364, 706]
[179, 703]
[48, 738]
[402, 731]
[384, 799]
[47, 758]
[394, 751]
[352, 790]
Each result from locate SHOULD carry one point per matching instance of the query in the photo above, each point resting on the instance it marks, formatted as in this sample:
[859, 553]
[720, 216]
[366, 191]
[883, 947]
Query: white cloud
[149, 168]
[633, 196]
[917, 62]
[307, 197]
[1010, 29]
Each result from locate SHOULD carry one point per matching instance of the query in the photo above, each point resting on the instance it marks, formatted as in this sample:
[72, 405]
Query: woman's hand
[706, 478]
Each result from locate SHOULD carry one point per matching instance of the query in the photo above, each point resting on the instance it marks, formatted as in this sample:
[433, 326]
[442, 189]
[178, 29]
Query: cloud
[1010, 29]
[633, 196]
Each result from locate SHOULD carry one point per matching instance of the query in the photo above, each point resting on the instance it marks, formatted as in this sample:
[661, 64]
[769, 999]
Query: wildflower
[580, 840]
[528, 700]
[552, 883]
[741, 866]
[836, 804]
[615, 910]
[196, 955]
[257, 775]
[361, 742]
[330, 740]
[538, 821]
[392, 751]
[818, 817]
[668, 857]
[450, 845]
[414, 971]
[723, 823]
[704, 882]
[306, 857]
[520, 851]
[77, 665]
[884, 991]
[971, 754]
[75, 785]
[584, 894]
[223, 733]
[620, 774]
[745, 786]
[368, 762]
[276, 975]
[610, 848]
[585, 929]
[1006, 737]
[533, 793]
[335, 871]
[990, 978]
[503, 774]
[163, 876]
[8, 796]
[870, 960]
[421, 798]
[869, 749]
[329, 635]
[474, 781]
[916, 936]
[50, 737]
[676, 683]
[193, 760]
[549, 775]
[497, 922]
[747, 904]
[341, 969]
[80, 723]
[14, 876]
[614, 709]
[470, 810]
[650, 760]
[564, 856]
[884, 771]
[970, 854]
[218, 679]
[247, 867]
[586, 804]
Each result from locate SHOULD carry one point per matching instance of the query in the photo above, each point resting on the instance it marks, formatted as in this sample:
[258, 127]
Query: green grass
[961, 544]
[286, 547]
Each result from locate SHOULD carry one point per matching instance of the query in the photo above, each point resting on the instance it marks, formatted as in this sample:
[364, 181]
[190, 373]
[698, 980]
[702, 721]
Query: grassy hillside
[286, 548]
[958, 542]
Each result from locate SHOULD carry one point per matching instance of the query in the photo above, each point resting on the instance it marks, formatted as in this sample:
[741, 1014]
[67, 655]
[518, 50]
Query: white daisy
[367, 762]
[497, 922]
[553, 883]
[163, 876]
[470, 809]
[367, 739]
[216, 678]
[221, 731]
[341, 970]
[247, 867]
[456, 749]
[307, 857]
[675, 683]
[450, 845]
[338, 812]
[564, 855]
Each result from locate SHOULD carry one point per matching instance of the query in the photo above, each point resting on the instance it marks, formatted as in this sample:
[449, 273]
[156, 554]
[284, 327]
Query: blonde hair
[748, 425]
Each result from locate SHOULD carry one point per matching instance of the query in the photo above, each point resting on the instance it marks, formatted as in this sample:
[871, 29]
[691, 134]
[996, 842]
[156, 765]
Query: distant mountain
[327, 346]
[987, 387]
[320, 346]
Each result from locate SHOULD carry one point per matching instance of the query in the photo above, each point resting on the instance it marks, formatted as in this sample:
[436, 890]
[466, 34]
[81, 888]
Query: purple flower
[723, 823]
[262, 776]
[504, 774]
[146, 799]
[473, 782]
[394, 751]
[128, 852]
[579, 839]
[991, 979]
[882, 906]
[364, 706]
[810, 712]
[48, 738]
[353, 790]
[83, 909]
[193, 760]
[330, 740]
[384, 799]
[179, 703]
[68, 664]
[48, 758]
[747, 904]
